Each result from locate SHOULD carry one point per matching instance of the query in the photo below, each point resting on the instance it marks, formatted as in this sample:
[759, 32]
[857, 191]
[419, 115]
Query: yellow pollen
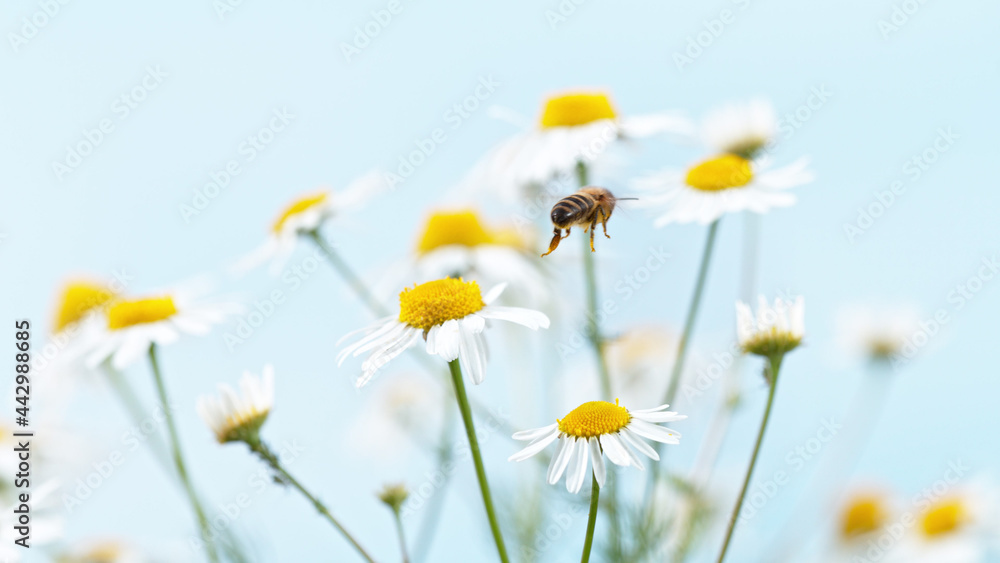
[576, 109]
[864, 515]
[124, 314]
[595, 418]
[298, 206]
[78, 299]
[720, 173]
[943, 518]
[430, 304]
[446, 228]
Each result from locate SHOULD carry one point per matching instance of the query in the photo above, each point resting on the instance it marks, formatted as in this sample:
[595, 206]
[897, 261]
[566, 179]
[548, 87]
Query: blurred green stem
[348, 274]
[175, 447]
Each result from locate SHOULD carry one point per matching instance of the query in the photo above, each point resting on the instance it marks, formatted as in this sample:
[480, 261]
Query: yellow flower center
[243, 424]
[864, 515]
[78, 299]
[107, 552]
[298, 206]
[943, 518]
[124, 314]
[576, 109]
[595, 418]
[432, 303]
[720, 173]
[453, 227]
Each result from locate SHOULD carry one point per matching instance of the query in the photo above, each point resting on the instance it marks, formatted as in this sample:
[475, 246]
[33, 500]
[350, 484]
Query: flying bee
[587, 207]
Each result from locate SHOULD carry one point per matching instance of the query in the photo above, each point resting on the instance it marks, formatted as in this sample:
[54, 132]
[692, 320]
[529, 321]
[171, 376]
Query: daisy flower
[307, 213]
[727, 183]
[459, 242]
[775, 330]
[573, 127]
[876, 333]
[594, 429]
[450, 315]
[741, 128]
[103, 551]
[235, 417]
[864, 514]
[132, 325]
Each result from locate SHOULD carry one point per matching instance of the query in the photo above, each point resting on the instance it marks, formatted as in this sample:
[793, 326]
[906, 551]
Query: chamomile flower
[460, 243]
[727, 183]
[133, 324]
[573, 127]
[775, 330]
[864, 515]
[740, 128]
[449, 315]
[876, 333]
[103, 551]
[593, 430]
[237, 417]
[306, 213]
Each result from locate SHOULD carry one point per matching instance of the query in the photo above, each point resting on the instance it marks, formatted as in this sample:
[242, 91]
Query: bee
[587, 207]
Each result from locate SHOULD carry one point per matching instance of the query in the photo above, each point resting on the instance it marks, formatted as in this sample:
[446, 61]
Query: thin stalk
[261, 449]
[595, 493]
[477, 456]
[348, 274]
[401, 535]
[773, 367]
[133, 407]
[175, 448]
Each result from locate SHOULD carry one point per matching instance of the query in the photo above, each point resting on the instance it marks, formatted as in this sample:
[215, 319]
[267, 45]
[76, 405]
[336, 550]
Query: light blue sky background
[224, 77]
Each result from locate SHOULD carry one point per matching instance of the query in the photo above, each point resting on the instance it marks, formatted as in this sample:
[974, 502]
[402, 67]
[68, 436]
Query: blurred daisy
[134, 324]
[876, 333]
[105, 551]
[959, 527]
[238, 417]
[862, 516]
[741, 128]
[307, 213]
[450, 315]
[594, 429]
[79, 300]
[774, 330]
[459, 243]
[723, 184]
[574, 127]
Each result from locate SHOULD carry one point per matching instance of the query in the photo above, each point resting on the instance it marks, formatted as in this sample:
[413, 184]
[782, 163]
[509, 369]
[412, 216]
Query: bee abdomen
[569, 208]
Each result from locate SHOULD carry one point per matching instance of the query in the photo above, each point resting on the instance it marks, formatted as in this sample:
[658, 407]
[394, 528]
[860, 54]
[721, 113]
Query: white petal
[615, 451]
[659, 416]
[494, 293]
[471, 356]
[577, 467]
[637, 443]
[534, 433]
[633, 459]
[526, 317]
[597, 460]
[534, 447]
[654, 432]
[560, 460]
[447, 340]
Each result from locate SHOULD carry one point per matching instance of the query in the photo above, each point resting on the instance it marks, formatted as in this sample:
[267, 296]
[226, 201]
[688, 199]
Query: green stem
[348, 274]
[261, 449]
[477, 456]
[175, 448]
[402, 536]
[136, 412]
[773, 367]
[595, 493]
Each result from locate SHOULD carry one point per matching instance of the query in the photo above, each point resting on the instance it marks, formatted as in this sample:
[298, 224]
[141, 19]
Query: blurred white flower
[740, 128]
[876, 333]
[134, 324]
[450, 315]
[238, 417]
[593, 430]
[723, 184]
[774, 330]
[307, 213]
[574, 127]
[103, 551]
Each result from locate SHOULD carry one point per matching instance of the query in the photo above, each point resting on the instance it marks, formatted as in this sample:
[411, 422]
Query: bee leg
[555, 241]
[604, 224]
[593, 229]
